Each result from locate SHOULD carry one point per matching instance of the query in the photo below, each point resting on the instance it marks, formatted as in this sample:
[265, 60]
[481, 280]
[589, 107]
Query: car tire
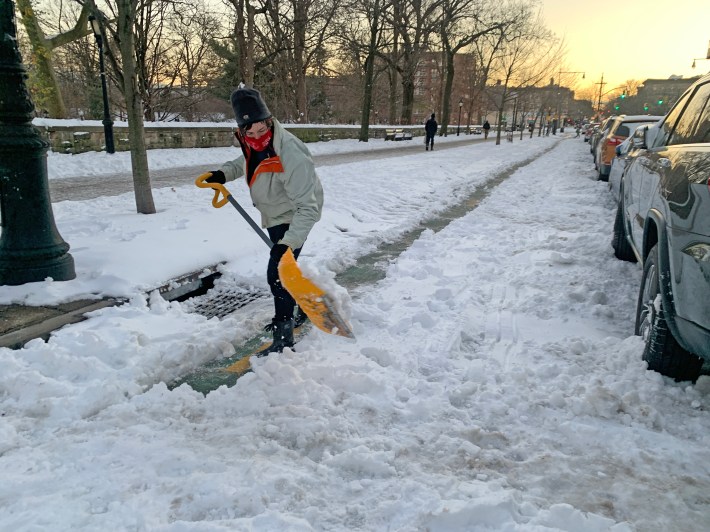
[622, 248]
[661, 351]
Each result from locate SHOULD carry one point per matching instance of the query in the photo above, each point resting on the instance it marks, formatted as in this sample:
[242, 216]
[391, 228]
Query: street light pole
[706, 58]
[107, 122]
[458, 127]
[31, 249]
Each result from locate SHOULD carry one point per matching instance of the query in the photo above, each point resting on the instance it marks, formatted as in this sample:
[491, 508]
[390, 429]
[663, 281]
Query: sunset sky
[631, 39]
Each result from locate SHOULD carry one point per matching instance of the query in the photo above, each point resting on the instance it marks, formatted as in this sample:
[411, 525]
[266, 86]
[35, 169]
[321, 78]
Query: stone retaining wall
[90, 136]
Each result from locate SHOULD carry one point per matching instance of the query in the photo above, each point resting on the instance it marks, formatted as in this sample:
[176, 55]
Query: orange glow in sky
[631, 39]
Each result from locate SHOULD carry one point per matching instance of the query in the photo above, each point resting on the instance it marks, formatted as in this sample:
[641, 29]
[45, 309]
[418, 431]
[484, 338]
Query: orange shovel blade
[318, 306]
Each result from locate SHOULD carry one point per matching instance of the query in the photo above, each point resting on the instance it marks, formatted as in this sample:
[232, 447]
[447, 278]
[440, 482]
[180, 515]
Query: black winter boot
[300, 318]
[283, 337]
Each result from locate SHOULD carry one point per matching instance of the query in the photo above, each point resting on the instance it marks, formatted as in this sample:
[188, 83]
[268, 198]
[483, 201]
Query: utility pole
[601, 87]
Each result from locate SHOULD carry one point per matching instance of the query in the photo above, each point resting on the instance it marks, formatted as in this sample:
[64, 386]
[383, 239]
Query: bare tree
[127, 70]
[414, 22]
[528, 54]
[47, 89]
[244, 37]
[189, 64]
[362, 32]
[127, 15]
[462, 23]
[299, 33]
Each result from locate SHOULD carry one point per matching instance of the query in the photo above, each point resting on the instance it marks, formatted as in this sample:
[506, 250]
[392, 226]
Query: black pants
[429, 141]
[284, 304]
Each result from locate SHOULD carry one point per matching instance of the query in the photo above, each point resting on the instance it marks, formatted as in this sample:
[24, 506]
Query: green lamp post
[31, 248]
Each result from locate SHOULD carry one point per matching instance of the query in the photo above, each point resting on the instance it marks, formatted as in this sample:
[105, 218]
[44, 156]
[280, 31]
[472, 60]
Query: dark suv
[663, 221]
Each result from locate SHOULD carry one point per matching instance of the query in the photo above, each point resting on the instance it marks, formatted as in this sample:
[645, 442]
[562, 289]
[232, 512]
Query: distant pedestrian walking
[430, 129]
[486, 129]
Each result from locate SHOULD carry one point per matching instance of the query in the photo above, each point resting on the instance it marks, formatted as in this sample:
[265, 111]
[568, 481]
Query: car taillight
[613, 141]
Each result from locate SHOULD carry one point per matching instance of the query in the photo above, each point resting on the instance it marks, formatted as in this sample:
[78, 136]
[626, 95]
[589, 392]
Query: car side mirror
[639, 139]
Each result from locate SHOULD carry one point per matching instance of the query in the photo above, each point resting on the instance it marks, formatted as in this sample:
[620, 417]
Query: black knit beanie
[249, 107]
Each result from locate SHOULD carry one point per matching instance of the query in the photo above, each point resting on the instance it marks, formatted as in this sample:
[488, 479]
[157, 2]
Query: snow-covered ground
[495, 382]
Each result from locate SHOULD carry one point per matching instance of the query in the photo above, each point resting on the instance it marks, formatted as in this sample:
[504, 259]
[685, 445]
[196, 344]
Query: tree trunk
[407, 99]
[367, 99]
[392, 95]
[134, 109]
[369, 74]
[49, 95]
[300, 23]
[448, 84]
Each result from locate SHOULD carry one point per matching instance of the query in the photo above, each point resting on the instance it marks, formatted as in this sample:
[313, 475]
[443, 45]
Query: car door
[668, 163]
[642, 175]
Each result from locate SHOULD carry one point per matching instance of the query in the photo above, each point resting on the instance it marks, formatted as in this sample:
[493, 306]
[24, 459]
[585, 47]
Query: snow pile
[494, 384]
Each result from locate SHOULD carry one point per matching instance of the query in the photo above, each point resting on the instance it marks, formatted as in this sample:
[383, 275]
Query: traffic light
[616, 106]
[623, 95]
[645, 107]
[660, 101]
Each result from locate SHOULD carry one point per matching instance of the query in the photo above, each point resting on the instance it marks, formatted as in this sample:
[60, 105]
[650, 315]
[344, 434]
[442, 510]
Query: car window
[666, 127]
[688, 130]
[628, 128]
[622, 131]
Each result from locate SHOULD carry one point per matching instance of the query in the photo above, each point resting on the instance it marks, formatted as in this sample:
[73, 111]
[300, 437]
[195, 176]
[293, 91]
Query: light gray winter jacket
[285, 188]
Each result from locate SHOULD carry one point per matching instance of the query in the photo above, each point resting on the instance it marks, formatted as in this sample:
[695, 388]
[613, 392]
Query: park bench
[397, 134]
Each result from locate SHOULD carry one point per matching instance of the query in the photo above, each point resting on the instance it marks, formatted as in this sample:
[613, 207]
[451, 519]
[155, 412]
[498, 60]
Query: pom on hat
[249, 107]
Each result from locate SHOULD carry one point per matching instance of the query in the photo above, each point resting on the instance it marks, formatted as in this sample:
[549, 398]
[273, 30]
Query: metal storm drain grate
[223, 300]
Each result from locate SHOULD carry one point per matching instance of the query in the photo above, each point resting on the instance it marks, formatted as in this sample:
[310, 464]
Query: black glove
[278, 251]
[216, 177]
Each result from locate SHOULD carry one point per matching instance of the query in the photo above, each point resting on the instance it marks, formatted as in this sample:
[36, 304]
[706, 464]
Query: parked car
[588, 129]
[663, 221]
[618, 164]
[620, 128]
[624, 152]
[598, 133]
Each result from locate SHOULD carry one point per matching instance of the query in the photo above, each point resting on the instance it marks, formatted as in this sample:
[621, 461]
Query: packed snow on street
[495, 382]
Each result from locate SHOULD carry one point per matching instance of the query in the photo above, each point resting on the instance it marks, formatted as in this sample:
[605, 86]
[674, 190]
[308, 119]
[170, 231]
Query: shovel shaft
[217, 202]
[250, 221]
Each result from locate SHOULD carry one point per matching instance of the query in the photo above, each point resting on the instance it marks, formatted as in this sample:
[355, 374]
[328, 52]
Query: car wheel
[662, 351]
[622, 248]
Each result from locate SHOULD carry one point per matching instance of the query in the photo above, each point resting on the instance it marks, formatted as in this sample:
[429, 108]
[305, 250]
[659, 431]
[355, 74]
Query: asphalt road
[89, 187]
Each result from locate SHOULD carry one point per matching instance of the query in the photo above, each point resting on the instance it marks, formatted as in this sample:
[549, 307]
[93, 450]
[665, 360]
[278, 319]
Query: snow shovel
[318, 306]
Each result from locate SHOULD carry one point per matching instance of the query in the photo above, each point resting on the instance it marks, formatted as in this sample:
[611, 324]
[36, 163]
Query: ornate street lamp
[31, 249]
[107, 122]
[458, 127]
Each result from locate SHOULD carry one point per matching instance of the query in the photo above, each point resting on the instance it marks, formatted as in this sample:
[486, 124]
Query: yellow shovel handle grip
[218, 188]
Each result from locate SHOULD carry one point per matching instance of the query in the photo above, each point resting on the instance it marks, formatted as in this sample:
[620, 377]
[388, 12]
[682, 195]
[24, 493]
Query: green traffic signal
[645, 107]
[623, 95]
[616, 107]
[660, 101]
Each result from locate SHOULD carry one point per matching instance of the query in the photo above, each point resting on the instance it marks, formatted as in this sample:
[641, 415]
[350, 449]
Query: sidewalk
[19, 323]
